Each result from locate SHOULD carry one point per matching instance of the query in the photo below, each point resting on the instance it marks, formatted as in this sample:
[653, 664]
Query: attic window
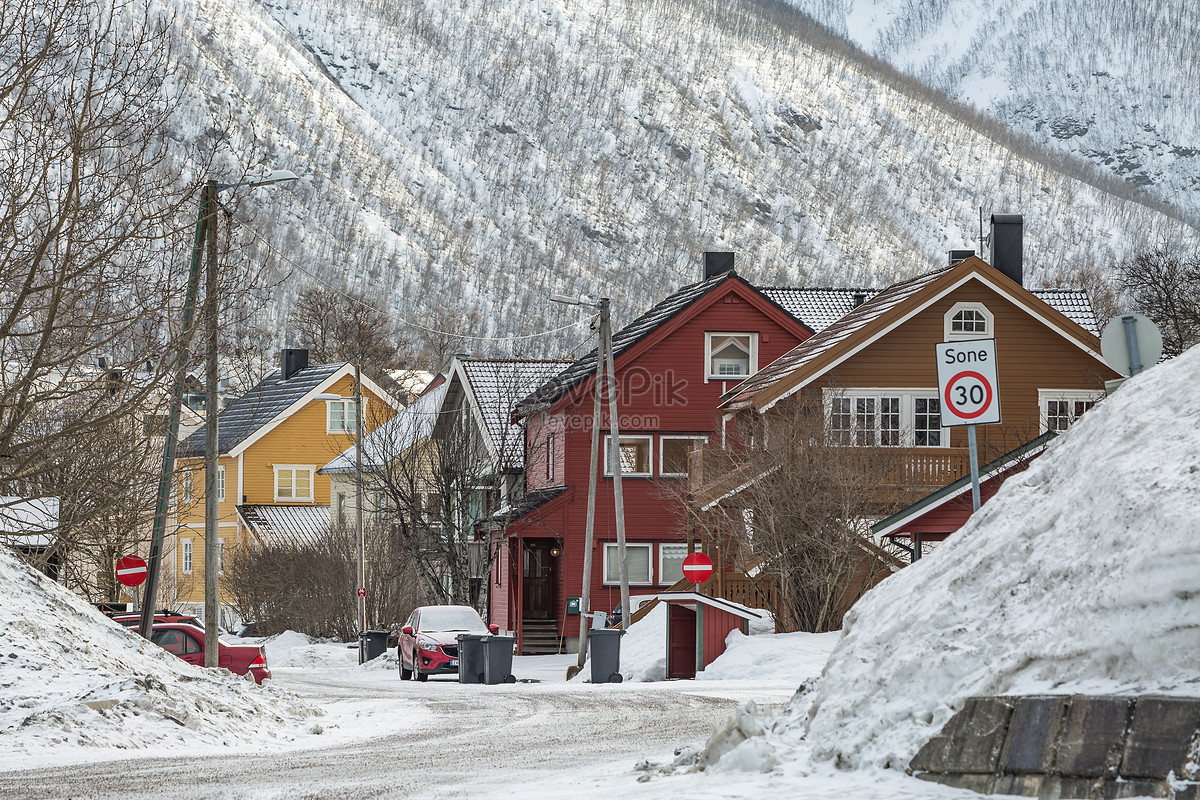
[968, 321]
[731, 355]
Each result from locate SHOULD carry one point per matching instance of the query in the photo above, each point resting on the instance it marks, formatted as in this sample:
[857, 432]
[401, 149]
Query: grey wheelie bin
[498, 660]
[471, 657]
[604, 645]
[371, 645]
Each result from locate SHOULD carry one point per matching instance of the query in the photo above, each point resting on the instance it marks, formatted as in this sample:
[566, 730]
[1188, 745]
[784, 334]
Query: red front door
[681, 642]
[537, 566]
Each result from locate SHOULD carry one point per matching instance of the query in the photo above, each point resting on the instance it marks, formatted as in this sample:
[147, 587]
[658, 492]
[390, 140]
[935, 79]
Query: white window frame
[550, 465]
[615, 580]
[989, 326]
[647, 438]
[908, 415]
[662, 547]
[220, 556]
[346, 403]
[187, 487]
[709, 375]
[186, 558]
[312, 472]
[662, 461]
[1071, 396]
[220, 484]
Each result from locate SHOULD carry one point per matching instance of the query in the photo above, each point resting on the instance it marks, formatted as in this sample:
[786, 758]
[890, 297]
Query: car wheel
[405, 672]
[421, 676]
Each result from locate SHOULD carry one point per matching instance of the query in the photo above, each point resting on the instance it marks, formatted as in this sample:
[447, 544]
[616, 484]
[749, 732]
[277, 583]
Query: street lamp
[206, 235]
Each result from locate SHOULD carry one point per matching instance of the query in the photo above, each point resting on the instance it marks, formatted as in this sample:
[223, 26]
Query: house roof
[411, 425]
[580, 371]
[493, 387]
[989, 471]
[530, 502]
[728, 606]
[881, 313]
[291, 524]
[819, 308]
[243, 417]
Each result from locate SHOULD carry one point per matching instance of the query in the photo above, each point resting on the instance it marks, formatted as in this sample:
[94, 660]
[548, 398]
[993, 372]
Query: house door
[538, 566]
[681, 641]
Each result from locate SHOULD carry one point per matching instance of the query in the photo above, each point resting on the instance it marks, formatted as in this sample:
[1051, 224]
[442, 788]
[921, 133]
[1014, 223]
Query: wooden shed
[697, 626]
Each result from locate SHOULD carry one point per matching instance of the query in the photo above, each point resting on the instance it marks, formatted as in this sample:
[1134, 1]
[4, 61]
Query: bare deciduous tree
[1165, 286]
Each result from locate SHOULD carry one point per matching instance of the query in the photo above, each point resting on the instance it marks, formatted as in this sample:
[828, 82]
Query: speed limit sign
[967, 382]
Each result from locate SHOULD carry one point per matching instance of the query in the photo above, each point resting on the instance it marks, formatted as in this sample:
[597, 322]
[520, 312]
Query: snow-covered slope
[478, 155]
[1112, 82]
[73, 681]
[1081, 575]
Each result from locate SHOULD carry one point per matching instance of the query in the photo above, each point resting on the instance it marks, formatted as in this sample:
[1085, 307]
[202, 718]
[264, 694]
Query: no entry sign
[697, 568]
[131, 570]
[967, 382]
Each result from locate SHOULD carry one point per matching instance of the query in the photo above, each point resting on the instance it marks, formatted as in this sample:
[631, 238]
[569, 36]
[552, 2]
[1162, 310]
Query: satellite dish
[1122, 335]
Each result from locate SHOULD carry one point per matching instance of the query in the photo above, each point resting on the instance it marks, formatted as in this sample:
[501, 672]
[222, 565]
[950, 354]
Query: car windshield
[452, 618]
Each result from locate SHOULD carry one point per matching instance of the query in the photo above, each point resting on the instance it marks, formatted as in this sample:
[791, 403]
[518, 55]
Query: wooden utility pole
[589, 537]
[211, 529]
[358, 493]
[614, 451]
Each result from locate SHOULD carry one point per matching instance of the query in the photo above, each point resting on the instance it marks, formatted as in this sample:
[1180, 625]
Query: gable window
[968, 321]
[340, 416]
[1061, 407]
[185, 487]
[673, 454]
[187, 557]
[635, 456]
[637, 556]
[293, 483]
[886, 418]
[730, 355]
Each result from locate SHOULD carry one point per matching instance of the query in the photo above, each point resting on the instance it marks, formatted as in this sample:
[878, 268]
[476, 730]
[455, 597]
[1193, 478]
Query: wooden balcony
[910, 471]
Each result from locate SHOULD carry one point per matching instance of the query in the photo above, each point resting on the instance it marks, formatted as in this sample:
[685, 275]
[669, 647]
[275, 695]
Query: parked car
[428, 641]
[187, 642]
[134, 619]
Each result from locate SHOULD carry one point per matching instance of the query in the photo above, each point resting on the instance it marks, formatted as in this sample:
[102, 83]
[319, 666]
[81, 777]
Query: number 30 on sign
[967, 382]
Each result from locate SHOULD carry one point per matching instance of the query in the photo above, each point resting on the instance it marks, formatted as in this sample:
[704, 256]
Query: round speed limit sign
[968, 395]
[967, 382]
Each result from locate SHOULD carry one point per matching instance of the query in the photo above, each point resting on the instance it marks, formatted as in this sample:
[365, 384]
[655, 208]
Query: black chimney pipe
[1007, 243]
[958, 256]
[292, 361]
[717, 264]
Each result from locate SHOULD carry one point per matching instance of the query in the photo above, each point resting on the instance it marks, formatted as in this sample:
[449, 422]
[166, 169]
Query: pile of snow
[70, 678]
[1081, 575]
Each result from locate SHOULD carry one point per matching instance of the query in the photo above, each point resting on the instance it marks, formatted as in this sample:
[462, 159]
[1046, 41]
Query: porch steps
[539, 637]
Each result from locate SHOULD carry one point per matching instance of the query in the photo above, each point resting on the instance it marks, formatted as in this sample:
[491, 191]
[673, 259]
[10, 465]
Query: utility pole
[211, 529]
[614, 451]
[358, 472]
[589, 538]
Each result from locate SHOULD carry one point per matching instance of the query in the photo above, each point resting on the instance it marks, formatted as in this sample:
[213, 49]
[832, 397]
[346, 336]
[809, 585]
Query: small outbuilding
[697, 626]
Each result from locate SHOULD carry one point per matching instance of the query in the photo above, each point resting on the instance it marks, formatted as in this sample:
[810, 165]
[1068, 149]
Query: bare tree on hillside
[1165, 286]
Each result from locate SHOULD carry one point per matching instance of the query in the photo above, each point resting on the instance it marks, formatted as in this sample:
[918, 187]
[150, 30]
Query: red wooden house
[673, 363]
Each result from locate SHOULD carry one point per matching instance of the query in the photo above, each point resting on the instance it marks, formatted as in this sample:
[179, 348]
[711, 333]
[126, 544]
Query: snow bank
[1081, 575]
[69, 678]
[785, 657]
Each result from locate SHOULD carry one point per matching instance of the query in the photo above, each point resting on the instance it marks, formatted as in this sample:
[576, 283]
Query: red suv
[429, 640]
[187, 641]
[134, 620]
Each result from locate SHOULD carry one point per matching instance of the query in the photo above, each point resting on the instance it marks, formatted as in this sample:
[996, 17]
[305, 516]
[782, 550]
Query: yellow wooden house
[271, 443]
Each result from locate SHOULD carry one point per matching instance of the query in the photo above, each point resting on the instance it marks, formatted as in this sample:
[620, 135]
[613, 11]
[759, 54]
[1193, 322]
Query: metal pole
[585, 607]
[614, 450]
[362, 557]
[154, 562]
[211, 530]
[1131, 340]
[974, 467]
[917, 541]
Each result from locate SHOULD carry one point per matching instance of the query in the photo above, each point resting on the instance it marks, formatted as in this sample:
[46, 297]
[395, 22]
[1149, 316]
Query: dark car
[187, 642]
[429, 640]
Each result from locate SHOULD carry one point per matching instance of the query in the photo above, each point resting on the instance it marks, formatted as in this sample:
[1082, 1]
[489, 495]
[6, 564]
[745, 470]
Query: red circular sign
[362, 592]
[967, 396]
[697, 568]
[131, 570]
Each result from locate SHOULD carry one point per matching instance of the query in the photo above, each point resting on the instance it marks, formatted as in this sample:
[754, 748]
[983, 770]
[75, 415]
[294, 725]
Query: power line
[266, 243]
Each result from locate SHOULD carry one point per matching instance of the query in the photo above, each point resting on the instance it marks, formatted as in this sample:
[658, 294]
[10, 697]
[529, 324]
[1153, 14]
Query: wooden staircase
[539, 637]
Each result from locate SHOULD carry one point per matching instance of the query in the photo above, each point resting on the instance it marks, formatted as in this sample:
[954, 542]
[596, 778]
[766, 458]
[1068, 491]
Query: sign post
[968, 392]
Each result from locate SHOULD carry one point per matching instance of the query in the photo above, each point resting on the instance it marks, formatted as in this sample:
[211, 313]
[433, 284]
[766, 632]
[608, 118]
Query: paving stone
[1092, 737]
[1056, 788]
[1158, 741]
[1032, 735]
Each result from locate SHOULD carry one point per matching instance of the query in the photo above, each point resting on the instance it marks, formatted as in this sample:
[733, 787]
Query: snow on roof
[1081, 575]
[76, 681]
[497, 386]
[409, 426]
[303, 525]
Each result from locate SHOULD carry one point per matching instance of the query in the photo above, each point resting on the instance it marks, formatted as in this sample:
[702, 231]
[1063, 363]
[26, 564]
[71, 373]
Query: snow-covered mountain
[1112, 82]
[464, 156]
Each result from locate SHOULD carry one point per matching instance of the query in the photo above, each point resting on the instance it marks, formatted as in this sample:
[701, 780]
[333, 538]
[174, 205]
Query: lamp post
[205, 236]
